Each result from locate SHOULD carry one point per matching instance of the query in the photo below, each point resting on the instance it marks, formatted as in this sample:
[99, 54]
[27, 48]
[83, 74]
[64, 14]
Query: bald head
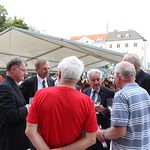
[126, 69]
[124, 74]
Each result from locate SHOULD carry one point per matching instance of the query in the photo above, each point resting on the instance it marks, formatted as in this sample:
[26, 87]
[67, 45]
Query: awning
[33, 46]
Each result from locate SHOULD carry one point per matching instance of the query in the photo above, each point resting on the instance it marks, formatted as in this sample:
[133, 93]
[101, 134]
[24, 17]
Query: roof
[92, 37]
[112, 36]
[124, 35]
[32, 46]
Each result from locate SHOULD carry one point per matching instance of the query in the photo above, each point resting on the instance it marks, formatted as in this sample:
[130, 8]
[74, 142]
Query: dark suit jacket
[12, 117]
[143, 79]
[29, 86]
[104, 94]
[102, 119]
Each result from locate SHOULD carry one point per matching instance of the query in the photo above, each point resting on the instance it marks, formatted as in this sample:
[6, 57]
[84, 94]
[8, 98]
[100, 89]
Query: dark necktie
[94, 95]
[43, 83]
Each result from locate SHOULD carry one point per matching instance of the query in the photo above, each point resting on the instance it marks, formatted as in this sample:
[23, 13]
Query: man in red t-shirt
[61, 117]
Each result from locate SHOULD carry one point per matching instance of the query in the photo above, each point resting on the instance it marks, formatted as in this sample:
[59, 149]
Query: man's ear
[59, 75]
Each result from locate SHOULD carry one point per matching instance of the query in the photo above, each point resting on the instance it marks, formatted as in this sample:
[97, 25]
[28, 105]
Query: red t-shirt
[62, 113]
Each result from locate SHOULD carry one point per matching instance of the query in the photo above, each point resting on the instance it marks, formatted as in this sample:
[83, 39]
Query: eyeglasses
[23, 70]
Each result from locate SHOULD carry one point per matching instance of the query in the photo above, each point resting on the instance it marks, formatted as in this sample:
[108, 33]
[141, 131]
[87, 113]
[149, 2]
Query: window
[135, 44]
[127, 35]
[119, 36]
[110, 45]
[118, 45]
[126, 45]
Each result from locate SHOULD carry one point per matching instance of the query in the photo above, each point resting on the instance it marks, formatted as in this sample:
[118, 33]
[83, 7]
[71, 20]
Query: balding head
[124, 73]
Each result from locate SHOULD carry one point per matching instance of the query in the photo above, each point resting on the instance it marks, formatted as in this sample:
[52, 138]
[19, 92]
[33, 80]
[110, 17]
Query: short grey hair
[133, 59]
[15, 62]
[71, 68]
[93, 71]
[126, 69]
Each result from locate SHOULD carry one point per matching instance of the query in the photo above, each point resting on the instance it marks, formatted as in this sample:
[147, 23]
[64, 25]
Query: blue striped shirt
[131, 108]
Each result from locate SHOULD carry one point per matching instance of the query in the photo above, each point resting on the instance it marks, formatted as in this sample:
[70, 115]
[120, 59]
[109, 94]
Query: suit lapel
[89, 92]
[17, 91]
[50, 82]
[101, 94]
[35, 83]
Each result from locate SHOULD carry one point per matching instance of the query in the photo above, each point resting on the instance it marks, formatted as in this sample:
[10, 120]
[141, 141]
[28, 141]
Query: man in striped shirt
[130, 120]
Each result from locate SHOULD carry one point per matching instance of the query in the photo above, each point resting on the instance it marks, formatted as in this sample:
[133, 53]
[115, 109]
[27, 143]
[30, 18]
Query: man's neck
[126, 82]
[67, 84]
[41, 77]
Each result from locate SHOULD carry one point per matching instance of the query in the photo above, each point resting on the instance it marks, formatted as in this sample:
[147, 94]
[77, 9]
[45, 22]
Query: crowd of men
[37, 113]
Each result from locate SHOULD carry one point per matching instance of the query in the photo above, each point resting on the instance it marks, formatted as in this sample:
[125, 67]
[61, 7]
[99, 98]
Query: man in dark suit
[99, 94]
[32, 84]
[13, 108]
[142, 78]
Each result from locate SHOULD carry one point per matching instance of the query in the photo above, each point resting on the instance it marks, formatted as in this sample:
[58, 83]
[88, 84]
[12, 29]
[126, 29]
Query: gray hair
[133, 59]
[93, 71]
[39, 62]
[71, 68]
[126, 69]
[15, 62]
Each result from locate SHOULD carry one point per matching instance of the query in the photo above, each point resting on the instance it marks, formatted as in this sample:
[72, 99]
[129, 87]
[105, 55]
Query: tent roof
[33, 46]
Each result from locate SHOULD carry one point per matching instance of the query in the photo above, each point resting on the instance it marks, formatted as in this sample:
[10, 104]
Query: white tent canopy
[32, 46]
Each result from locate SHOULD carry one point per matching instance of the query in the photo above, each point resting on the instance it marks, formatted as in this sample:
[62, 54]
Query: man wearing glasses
[32, 84]
[13, 108]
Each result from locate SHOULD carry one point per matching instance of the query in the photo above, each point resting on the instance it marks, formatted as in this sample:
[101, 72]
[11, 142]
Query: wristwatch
[103, 136]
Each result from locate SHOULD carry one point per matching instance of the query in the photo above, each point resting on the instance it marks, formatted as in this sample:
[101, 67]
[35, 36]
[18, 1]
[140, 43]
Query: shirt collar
[40, 79]
[95, 90]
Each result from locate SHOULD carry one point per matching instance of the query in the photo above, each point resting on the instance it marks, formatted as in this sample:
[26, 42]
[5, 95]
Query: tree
[3, 16]
[16, 23]
[108, 70]
[6, 22]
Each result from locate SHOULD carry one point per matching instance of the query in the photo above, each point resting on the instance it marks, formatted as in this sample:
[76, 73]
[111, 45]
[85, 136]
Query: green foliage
[107, 70]
[3, 16]
[16, 23]
[6, 22]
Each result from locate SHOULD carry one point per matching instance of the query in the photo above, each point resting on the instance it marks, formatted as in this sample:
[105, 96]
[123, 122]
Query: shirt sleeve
[120, 111]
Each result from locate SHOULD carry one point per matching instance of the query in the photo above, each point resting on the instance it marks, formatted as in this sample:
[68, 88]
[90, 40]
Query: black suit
[30, 85]
[12, 117]
[102, 119]
[143, 79]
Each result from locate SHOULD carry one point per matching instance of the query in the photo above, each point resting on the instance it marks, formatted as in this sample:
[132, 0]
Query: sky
[66, 18]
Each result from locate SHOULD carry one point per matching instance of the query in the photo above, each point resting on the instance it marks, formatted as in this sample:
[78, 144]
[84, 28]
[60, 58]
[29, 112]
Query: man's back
[143, 79]
[132, 109]
[63, 113]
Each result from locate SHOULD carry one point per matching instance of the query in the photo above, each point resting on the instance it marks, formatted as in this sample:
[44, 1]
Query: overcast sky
[65, 18]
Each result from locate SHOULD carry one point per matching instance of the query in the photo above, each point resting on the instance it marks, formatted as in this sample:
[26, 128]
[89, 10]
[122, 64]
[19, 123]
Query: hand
[99, 135]
[99, 108]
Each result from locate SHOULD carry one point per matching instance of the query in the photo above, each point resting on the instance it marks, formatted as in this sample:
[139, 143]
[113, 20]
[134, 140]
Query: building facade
[121, 41]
